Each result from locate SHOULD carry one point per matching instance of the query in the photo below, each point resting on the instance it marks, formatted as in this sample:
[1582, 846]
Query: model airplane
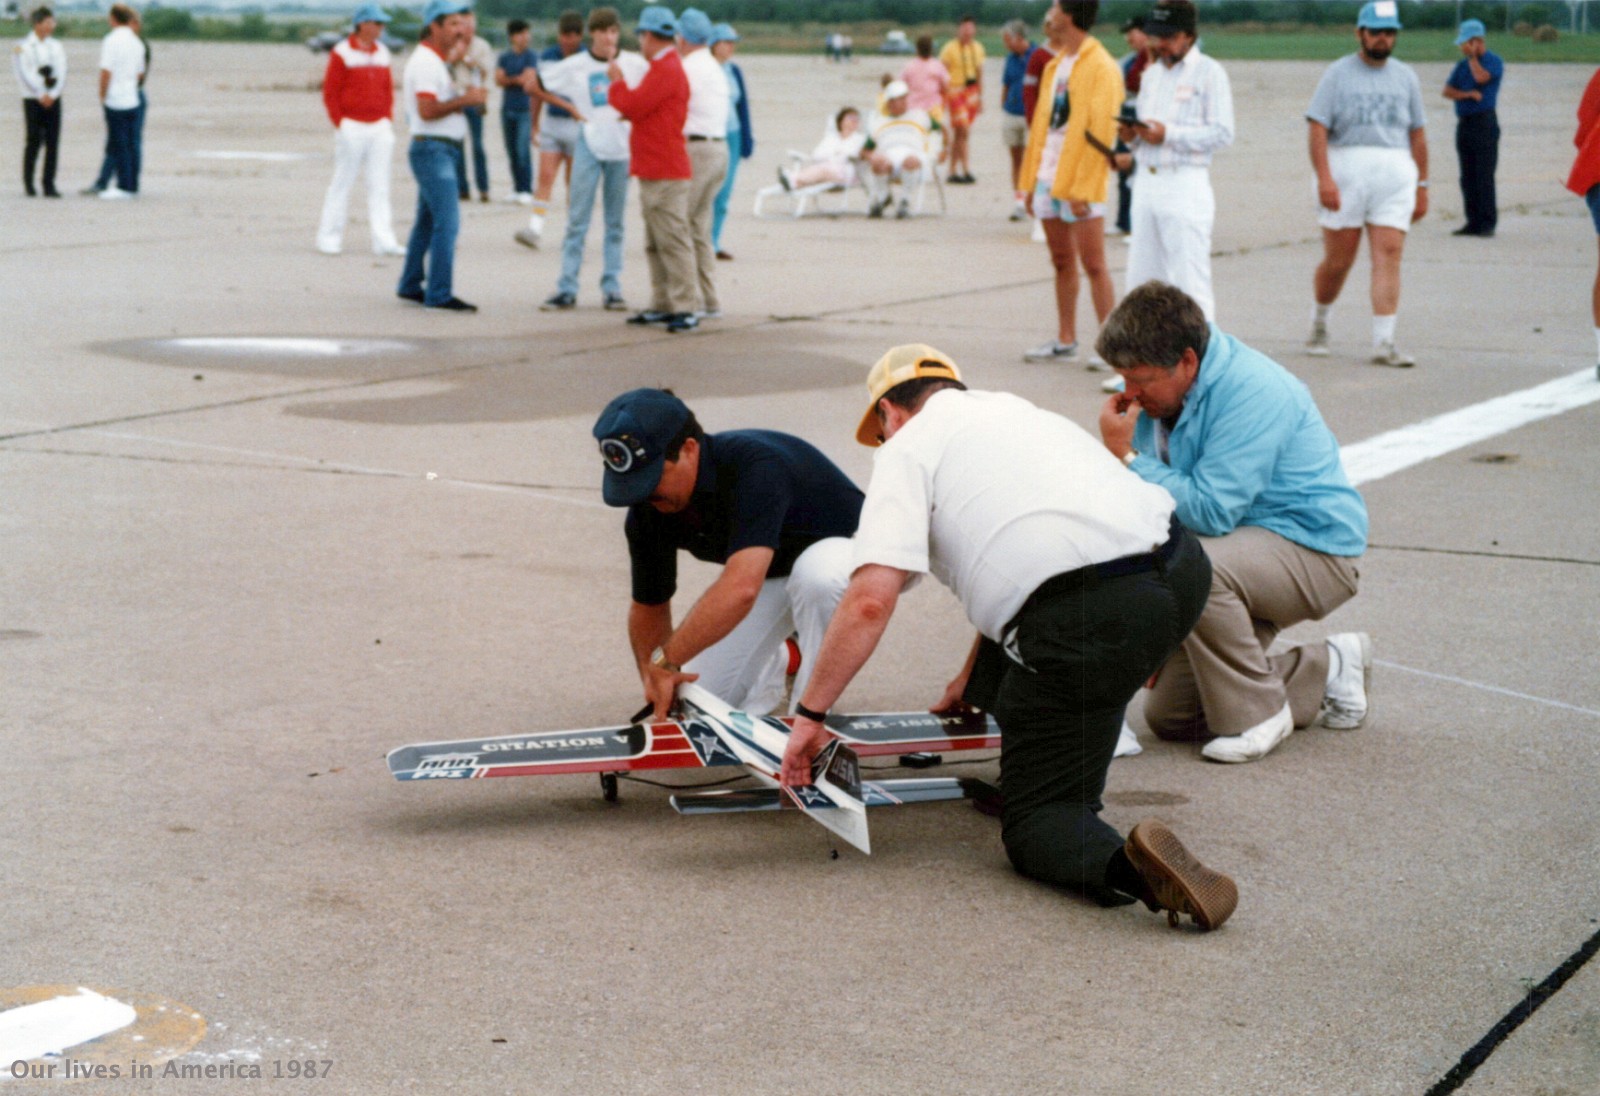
[709, 734]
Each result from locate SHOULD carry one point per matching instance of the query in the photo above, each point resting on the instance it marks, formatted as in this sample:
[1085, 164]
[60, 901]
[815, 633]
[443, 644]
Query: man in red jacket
[358, 91]
[658, 108]
[1585, 178]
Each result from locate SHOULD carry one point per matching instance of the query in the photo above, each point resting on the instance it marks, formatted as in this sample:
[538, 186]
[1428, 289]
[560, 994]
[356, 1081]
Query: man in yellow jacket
[1065, 169]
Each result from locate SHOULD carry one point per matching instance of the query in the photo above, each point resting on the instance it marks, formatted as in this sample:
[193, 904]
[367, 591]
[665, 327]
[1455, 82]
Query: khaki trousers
[710, 162]
[664, 206]
[1222, 681]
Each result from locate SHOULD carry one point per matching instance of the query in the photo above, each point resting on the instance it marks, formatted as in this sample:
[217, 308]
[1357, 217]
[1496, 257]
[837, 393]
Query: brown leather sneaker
[1178, 882]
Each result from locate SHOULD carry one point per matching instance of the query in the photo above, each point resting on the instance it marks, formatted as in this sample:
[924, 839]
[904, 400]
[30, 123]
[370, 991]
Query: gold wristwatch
[658, 659]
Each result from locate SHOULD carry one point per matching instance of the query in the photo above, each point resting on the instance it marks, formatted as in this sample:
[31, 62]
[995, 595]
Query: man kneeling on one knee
[1239, 443]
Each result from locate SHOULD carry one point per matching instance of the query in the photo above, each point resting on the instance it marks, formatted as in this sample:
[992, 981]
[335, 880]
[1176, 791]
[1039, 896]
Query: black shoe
[877, 208]
[455, 304]
[615, 303]
[649, 316]
[559, 303]
[682, 321]
[724, 257]
[30, 191]
[52, 192]
[404, 296]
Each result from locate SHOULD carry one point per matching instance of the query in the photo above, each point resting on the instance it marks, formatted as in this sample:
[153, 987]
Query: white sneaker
[1254, 744]
[1385, 354]
[522, 197]
[1344, 703]
[390, 248]
[1317, 344]
[1052, 351]
[112, 194]
[1127, 742]
[1019, 212]
[1113, 385]
[526, 238]
[535, 225]
[1038, 231]
[327, 248]
[1096, 364]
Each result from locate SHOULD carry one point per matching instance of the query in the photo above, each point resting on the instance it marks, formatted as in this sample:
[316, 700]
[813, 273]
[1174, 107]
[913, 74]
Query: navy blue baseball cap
[634, 431]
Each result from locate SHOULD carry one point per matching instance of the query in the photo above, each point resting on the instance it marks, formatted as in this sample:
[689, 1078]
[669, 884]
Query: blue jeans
[518, 131]
[121, 135]
[588, 175]
[108, 164]
[480, 162]
[433, 163]
[719, 208]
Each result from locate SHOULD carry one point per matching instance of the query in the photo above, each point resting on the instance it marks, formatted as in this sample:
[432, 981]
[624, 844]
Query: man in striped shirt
[1185, 113]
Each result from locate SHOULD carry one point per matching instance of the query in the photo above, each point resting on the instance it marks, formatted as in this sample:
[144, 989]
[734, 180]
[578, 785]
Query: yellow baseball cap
[910, 362]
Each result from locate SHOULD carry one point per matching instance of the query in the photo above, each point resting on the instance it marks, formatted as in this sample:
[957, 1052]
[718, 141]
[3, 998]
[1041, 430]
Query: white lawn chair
[804, 200]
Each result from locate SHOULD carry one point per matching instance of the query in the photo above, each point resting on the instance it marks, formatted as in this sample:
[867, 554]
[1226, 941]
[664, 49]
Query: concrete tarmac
[235, 573]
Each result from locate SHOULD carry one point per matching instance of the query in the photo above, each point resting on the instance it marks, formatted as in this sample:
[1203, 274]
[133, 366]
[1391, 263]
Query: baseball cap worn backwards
[1379, 15]
[634, 431]
[694, 27]
[1472, 28]
[369, 13]
[438, 9]
[658, 20]
[910, 362]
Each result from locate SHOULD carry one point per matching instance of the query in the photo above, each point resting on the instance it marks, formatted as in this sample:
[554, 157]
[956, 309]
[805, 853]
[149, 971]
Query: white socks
[1383, 331]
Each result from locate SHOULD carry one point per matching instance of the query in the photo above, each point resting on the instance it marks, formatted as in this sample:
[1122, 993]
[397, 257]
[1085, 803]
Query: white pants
[1173, 214]
[358, 144]
[747, 668]
[910, 178]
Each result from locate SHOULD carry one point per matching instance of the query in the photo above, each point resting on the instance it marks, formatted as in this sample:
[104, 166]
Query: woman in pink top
[927, 78]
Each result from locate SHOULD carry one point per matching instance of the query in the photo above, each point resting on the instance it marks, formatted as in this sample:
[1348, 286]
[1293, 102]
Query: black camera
[49, 74]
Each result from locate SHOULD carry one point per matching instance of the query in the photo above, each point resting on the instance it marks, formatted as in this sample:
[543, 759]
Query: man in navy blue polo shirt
[1474, 85]
[769, 507]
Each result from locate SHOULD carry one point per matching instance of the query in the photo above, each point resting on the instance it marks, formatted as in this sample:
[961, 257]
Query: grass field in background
[1241, 44]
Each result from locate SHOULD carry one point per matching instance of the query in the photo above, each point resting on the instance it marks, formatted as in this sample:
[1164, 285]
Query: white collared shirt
[122, 55]
[709, 100]
[992, 496]
[33, 53]
[1194, 101]
[426, 74]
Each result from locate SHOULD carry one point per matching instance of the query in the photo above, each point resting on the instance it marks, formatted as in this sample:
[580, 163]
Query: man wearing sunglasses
[1370, 154]
[769, 507]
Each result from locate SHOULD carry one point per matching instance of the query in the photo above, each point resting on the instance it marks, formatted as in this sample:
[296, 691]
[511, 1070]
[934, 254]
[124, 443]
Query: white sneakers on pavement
[1317, 344]
[1127, 742]
[1052, 351]
[1385, 354]
[1344, 702]
[1253, 744]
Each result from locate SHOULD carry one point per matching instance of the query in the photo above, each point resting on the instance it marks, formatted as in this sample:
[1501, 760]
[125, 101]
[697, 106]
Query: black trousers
[1478, 149]
[44, 130]
[1087, 650]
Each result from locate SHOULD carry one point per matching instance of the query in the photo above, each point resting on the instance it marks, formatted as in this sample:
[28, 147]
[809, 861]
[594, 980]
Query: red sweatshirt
[658, 108]
[1586, 169]
[358, 83]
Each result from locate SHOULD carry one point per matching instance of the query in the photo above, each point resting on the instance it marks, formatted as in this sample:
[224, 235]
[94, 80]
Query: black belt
[451, 141]
[1095, 573]
[697, 137]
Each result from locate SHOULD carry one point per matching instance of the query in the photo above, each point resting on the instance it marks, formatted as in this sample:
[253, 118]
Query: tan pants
[1222, 681]
[664, 205]
[710, 162]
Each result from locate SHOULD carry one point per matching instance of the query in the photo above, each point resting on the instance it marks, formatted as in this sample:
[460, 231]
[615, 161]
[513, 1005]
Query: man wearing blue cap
[657, 106]
[1474, 86]
[358, 92]
[769, 507]
[438, 129]
[706, 131]
[1370, 154]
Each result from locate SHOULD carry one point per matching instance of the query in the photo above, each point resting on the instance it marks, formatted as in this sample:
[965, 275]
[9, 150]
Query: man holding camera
[41, 66]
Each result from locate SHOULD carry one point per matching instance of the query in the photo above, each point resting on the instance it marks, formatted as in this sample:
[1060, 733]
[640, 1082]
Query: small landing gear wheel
[608, 786]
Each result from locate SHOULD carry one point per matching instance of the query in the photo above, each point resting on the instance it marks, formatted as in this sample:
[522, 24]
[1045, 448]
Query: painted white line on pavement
[50, 1027]
[1488, 688]
[1397, 450]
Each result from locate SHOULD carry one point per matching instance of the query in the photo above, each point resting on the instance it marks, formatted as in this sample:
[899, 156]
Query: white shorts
[1013, 130]
[1377, 186]
[897, 157]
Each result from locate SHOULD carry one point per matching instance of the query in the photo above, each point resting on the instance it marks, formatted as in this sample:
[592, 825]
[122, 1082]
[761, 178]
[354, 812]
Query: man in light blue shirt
[1239, 444]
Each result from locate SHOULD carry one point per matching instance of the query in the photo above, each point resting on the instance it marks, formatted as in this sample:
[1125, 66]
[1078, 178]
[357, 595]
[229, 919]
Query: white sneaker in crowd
[1317, 344]
[328, 248]
[390, 247]
[1096, 364]
[1253, 744]
[113, 194]
[1386, 354]
[1127, 742]
[1113, 385]
[1344, 703]
[1052, 351]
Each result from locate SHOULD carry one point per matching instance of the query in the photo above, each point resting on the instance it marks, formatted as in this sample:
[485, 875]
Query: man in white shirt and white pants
[1080, 584]
[1185, 111]
[706, 131]
[121, 65]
